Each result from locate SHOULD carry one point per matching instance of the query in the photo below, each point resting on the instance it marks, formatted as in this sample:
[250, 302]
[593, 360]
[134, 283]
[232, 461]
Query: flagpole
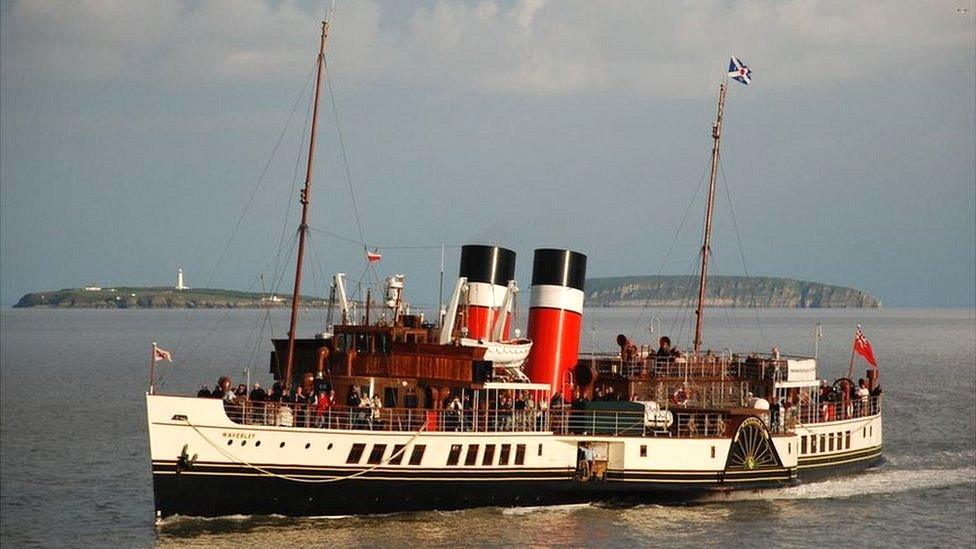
[152, 367]
[440, 293]
[707, 231]
[850, 368]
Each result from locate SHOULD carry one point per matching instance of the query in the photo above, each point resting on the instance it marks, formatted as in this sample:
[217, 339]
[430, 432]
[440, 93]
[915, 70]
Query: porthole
[282, 445]
[229, 442]
[308, 445]
[329, 447]
[258, 443]
[243, 443]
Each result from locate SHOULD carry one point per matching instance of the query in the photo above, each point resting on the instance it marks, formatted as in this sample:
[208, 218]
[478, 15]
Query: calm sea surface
[75, 466]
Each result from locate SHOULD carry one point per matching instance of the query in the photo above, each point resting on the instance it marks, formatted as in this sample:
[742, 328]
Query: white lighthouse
[179, 279]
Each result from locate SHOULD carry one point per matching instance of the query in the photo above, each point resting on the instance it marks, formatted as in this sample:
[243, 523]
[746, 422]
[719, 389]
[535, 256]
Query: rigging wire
[296, 174]
[742, 254]
[247, 206]
[345, 161]
[674, 241]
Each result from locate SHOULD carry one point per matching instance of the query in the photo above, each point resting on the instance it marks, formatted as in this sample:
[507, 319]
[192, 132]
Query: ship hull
[210, 495]
[848, 463]
[204, 464]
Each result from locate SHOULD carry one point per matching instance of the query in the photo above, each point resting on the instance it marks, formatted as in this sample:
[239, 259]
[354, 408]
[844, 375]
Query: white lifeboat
[508, 354]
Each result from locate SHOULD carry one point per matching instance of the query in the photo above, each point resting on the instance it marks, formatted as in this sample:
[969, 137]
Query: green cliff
[156, 298]
[723, 291]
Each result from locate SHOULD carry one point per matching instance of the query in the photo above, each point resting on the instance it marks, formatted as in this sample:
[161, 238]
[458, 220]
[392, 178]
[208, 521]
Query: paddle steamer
[472, 414]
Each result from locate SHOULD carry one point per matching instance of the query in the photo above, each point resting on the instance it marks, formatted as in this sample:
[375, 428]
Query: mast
[303, 226]
[707, 237]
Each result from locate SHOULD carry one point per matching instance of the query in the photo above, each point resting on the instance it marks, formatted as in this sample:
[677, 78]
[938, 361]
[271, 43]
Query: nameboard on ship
[801, 370]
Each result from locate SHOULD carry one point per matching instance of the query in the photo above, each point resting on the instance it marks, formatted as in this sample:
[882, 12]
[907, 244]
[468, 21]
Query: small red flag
[161, 354]
[373, 256]
[863, 347]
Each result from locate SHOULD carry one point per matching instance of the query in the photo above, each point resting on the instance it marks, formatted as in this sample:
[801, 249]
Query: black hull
[848, 463]
[194, 493]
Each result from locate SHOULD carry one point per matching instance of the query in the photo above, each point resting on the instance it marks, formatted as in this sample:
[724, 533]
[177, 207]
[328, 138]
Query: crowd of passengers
[514, 410]
[847, 400]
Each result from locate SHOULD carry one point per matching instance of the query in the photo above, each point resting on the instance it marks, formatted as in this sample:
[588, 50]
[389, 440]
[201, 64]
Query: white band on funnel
[557, 297]
[482, 294]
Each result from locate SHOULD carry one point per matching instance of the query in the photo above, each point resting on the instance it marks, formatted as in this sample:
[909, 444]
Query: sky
[138, 136]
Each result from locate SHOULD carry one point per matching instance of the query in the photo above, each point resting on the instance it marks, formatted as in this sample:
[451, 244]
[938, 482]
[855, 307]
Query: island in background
[163, 297]
[628, 291]
[722, 291]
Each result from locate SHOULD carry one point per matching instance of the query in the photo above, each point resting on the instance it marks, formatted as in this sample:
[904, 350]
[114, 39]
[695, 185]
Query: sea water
[75, 471]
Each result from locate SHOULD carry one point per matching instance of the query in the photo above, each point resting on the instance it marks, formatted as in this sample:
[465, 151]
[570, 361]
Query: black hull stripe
[216, 496]
[836, 459]
[445, 475]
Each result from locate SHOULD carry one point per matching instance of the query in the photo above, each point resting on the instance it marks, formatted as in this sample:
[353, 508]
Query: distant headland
[628, 291]
[121, 297]
[723, 291]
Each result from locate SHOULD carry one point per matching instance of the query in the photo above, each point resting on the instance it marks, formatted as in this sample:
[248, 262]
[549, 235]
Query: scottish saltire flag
[739, 71]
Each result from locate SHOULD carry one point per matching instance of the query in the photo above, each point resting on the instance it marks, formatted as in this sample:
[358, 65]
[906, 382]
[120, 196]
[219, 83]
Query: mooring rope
[239, 461]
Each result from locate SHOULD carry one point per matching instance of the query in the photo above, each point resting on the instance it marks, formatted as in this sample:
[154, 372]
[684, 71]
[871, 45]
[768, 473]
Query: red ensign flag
[863, 348]
[373, 257]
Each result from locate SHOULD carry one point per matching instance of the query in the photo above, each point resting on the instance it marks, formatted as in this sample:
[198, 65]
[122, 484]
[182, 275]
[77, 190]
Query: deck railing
[290, 414]
[708, 366]
[561, 421]
[838, 411]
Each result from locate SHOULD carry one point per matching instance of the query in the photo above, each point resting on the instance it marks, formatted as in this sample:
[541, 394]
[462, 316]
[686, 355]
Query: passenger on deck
[664, 349]
[322, 405]
[258, 394]
[628, 351]
[353, 398]
[454, 414]
[204, 392]
[256, 407]
[377, 405]
[609, 395]
[863, 395]
[557, 400]
[276, 392]
[301, 415]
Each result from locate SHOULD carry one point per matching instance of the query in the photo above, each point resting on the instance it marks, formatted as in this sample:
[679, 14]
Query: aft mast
[707, 237]
[303, 226]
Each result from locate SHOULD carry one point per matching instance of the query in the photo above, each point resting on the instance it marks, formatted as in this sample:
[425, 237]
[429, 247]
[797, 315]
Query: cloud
[522, 47]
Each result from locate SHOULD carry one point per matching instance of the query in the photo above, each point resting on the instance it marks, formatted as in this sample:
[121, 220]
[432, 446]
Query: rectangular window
[503, 455]
[397, 457]
[864, 433]
[823, 443]
[643, 450]
[356, 453]
[713, 452]
[418, 454]
[813, 444]
[520, 454]
[455, 455]
[830, 440]
[871, 430]
[472, 456]
[489, 457]
[803, 444]
[789, 447]
[376, 456]
[540, 450]
[847, 440]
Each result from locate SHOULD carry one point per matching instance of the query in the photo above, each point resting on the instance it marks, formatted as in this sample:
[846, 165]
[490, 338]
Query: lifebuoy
[679, 397]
